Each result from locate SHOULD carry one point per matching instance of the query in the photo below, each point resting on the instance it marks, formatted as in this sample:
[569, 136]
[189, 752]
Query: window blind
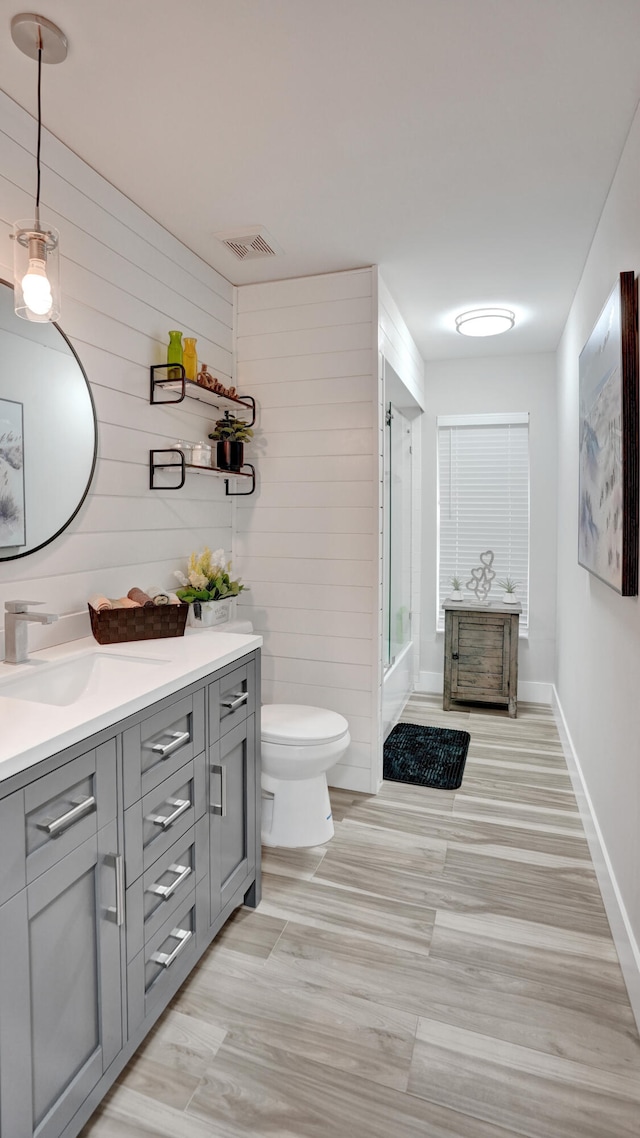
[483, 501]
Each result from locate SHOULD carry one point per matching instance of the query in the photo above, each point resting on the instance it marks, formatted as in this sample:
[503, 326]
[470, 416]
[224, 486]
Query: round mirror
[48, 432]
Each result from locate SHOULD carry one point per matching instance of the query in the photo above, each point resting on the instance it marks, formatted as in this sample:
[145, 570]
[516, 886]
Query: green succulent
[231, 428]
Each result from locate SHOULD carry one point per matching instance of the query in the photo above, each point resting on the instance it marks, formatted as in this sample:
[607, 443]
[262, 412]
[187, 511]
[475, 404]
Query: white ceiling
[465, 146]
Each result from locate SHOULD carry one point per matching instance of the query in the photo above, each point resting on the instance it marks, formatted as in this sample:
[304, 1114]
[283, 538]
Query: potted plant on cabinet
[208, 588]
[456, 585]
[508, 586]
[230, 434]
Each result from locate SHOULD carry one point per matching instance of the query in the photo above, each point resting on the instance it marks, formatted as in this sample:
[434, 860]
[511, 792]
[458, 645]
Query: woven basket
[113, 626]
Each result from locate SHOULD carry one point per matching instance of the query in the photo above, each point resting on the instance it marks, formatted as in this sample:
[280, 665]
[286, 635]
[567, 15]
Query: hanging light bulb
[36, 265]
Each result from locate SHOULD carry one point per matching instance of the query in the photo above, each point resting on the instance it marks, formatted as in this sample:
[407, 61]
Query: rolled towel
[142, 599]
[125, 603]
[174, 600]
[158, 596]
[99, 603]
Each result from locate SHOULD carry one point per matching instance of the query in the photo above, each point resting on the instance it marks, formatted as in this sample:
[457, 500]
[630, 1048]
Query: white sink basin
[66, 682]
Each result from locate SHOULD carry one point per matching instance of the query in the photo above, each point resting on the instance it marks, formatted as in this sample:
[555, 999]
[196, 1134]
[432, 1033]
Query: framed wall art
[12, 511]
[608, 462]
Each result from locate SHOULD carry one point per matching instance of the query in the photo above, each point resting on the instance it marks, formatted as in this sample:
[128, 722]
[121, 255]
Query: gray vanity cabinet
[60, 951]
[120, 858]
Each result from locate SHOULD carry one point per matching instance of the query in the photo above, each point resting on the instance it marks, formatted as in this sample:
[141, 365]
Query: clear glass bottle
[190, 358]
[174, 354]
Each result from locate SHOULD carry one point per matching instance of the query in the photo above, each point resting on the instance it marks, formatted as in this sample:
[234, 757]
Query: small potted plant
[208, 588]
[508, 586]
[230, 434]
[456, 585]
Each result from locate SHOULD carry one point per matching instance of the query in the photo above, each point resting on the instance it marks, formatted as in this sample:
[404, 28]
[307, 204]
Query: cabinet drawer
[156, 973]
[153, 898]
[64, 808]
[152, 825]
[231, 699]
[161, 744]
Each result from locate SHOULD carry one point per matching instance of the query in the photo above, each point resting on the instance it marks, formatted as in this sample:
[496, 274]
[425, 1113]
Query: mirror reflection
[47, 432]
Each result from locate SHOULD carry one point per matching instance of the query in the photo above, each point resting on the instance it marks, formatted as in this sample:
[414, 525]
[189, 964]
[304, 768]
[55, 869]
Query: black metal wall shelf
[188, 389]
[183, 466]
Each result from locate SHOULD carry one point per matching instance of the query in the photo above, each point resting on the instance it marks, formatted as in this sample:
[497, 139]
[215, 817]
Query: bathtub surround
[312, 350]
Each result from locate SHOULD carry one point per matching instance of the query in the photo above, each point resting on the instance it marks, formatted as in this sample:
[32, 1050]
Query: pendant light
[36, 253]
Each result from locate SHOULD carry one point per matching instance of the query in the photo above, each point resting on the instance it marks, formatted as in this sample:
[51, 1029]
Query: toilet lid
[295, 723]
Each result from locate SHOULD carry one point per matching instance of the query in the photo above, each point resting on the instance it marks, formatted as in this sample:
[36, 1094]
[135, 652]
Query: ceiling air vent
[249, 243]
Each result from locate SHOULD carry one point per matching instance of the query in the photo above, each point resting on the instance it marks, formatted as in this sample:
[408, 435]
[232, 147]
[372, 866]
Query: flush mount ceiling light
[485, 321]
[36, 267]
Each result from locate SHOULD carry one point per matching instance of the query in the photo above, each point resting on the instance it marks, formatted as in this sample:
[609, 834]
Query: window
[483, 500]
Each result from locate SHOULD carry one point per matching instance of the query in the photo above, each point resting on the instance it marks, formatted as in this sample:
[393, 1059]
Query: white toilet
[299, 745]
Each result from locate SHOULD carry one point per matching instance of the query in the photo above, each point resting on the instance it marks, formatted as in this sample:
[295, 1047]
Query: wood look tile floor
[442, 969]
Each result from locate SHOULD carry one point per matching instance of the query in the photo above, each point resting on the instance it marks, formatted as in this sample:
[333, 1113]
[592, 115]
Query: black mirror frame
[43, 544]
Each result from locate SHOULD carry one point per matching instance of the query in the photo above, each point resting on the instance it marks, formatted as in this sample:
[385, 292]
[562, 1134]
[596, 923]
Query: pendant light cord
[39, 127]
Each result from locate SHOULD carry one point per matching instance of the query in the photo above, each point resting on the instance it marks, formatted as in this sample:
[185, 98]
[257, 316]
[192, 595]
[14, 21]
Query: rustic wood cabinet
[481, 654]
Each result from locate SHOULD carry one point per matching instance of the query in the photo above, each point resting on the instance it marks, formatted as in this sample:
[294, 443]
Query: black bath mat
[426, 756]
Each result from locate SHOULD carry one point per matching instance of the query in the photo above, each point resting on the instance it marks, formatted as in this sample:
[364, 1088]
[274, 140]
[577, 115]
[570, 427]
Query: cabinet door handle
[181, 804]
[237, 699]
[220, 807]
[454, 656]
[166, 959]
[82, 807]
[177, 740]
[167, 891]
[116, 913]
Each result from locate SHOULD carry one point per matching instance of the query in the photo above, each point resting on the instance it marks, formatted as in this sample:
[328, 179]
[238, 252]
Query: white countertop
[32, 731]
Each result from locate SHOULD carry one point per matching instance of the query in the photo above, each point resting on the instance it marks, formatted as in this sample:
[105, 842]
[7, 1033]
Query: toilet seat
[298, 725]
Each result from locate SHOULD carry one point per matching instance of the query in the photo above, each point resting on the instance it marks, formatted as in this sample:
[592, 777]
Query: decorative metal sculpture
[481, 578]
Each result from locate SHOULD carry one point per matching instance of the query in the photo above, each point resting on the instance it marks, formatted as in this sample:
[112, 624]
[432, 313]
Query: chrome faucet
[15, 628]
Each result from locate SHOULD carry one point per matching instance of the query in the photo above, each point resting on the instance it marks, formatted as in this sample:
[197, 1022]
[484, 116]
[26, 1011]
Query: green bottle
[174, 354]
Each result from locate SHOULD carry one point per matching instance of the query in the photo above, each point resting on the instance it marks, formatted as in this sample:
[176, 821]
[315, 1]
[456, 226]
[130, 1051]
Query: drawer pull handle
[166, 959]
[237, 699]
[455, 656]
[178, 738]
[181, 806]
[167, 891]
[220, 807]
[81, 807]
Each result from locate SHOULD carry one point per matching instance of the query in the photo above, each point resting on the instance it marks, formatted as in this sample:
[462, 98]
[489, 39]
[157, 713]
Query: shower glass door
[397, 536]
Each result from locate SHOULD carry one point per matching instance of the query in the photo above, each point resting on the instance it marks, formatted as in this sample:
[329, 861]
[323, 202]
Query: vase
[174, 354]
[456, 595]
[190, 358]
[509, 599]
[230, 454]
[208, 614]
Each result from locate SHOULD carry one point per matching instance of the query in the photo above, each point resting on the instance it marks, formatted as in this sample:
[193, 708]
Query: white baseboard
[623, 936]
[529, 691]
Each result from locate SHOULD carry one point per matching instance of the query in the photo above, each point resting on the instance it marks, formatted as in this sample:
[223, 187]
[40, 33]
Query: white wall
[307, 541]
[598, 665]
[506, 383]
[125, 282]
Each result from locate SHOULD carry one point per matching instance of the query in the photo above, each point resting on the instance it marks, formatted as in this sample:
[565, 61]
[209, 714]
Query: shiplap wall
[397, 347]
[308, 540]
[125, 282]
